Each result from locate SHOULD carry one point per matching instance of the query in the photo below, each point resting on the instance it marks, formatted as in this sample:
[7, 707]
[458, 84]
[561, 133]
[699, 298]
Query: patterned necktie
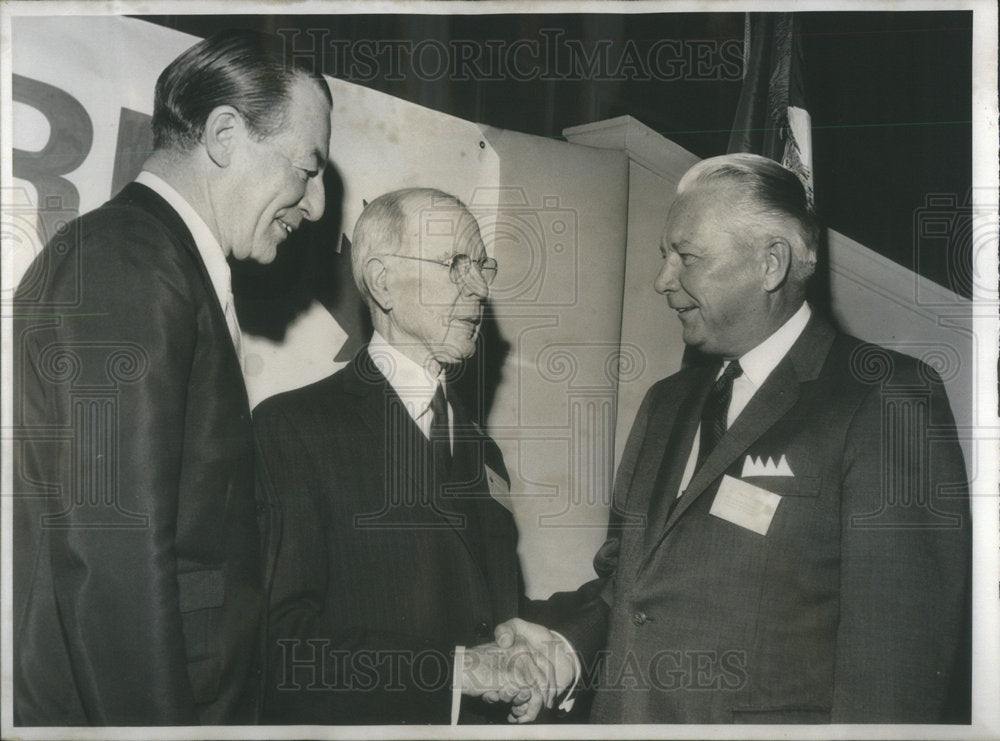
[439, 435]
[716, 410]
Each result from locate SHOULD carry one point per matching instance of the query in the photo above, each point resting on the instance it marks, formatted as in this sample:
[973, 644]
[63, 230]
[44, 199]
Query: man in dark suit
[790, 538]
[397, 543]
[138, 597]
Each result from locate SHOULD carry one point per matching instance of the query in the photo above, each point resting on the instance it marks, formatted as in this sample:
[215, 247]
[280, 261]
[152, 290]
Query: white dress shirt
[413, 383]
[208, 247]
[757, 365]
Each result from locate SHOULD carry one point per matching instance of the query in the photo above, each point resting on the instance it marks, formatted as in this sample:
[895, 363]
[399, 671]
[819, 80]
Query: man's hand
[510, 674]
[528, 666]
[549, 652]
[543, 643]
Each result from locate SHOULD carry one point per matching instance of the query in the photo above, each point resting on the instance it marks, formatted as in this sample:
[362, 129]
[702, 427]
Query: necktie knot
[439, 406]
[730, 374]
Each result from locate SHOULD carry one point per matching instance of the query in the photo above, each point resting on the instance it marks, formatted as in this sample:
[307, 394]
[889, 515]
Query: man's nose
[666, 279]
[313, 203]
[473, 283]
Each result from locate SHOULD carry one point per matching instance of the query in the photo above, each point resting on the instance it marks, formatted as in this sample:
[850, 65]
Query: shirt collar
[758, 363]
[208, 246]
[410, 380]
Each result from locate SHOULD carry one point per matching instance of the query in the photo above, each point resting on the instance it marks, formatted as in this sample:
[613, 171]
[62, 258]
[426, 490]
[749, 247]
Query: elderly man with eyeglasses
[397, 547]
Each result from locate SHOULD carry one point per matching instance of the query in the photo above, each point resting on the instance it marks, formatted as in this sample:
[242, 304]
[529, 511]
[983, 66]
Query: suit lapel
[486, 517]
[674, 450]
[406, 450]
[144, 197]
[467, 477]
[151, 201]
[368, 383]
[408, 455]
[770, 403]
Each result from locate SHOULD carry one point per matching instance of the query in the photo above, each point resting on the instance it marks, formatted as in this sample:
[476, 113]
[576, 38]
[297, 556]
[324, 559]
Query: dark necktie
[715, 411]
[440, 437]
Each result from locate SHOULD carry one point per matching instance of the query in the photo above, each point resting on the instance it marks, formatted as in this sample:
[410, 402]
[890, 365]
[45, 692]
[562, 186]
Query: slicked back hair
[770, 190]
[247, 70]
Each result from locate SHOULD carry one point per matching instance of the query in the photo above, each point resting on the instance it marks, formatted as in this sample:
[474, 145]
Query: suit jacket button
[483, 630]
[639, 618]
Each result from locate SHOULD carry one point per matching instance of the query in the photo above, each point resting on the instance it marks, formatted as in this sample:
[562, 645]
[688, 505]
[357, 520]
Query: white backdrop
[553, 212]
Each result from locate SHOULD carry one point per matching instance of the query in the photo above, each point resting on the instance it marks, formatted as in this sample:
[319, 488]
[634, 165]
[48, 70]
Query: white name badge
[499, 489]
[745, 505]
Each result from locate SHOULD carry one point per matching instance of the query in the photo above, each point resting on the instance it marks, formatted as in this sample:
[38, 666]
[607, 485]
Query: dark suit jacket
[137, 594]
[380, 574]
[852, 608]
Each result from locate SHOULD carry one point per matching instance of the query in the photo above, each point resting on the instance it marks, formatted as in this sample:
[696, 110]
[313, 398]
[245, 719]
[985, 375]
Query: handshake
[527, 666]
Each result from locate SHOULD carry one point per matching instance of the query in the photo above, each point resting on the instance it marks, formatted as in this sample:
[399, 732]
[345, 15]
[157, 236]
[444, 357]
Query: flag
[771, 118]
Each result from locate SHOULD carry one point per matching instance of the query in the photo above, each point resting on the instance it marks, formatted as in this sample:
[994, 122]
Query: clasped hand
[527, 666]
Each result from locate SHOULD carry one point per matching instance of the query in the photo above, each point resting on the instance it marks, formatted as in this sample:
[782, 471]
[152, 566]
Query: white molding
[642, 144]
[872, 297]
[878, 274]
[848, 258]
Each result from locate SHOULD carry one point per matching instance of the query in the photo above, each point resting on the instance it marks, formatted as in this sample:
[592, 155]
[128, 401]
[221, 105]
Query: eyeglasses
[460, 265]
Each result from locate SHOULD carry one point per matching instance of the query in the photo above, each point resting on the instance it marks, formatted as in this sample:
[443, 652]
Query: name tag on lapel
[745, 505]
[499, 489]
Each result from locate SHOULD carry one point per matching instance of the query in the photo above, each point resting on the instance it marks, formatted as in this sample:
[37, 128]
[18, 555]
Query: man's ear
[223, 127]
[377, 282]
[777, 263]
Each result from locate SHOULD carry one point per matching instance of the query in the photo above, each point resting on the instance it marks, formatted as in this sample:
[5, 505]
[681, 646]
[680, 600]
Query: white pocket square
[759, 467]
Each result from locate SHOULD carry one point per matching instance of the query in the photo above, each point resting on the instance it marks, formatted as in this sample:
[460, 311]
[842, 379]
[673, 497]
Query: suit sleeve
[110, 539]
[318, 671]
[903, 640]
[582, 616]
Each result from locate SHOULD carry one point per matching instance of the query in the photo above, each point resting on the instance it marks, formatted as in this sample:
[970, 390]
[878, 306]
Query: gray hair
[383, 225]
[773, 190]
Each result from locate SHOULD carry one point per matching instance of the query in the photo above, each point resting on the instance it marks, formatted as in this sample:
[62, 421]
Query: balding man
[397, 544]
[791, 539]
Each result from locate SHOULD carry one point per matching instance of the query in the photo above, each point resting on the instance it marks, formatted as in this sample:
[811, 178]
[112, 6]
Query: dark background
[889, 94]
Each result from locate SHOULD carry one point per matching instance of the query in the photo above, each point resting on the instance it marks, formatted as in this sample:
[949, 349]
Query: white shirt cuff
[568, 701]
[456, 684]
